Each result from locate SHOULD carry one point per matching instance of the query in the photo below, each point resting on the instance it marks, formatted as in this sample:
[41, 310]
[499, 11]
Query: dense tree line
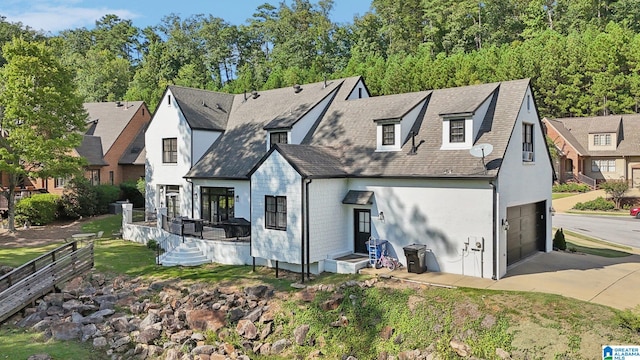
[583, 56]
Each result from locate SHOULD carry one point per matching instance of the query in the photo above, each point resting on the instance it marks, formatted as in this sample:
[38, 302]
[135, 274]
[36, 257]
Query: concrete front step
[186, 254]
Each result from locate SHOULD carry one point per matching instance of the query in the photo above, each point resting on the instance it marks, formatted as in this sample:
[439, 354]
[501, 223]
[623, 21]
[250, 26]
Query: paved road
[617, 229]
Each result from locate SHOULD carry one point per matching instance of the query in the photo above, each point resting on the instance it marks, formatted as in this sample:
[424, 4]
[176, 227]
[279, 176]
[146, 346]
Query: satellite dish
[480, 151]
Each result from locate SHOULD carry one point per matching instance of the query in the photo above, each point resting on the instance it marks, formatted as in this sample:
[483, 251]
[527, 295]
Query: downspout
[192, 196]
[304, 206]
[308, 182]
[496, 239]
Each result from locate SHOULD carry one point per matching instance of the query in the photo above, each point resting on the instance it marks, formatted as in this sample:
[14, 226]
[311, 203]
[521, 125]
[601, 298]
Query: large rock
[202, 320]
[66, 331]
[149, 335]
[247, 329]
[280, 345]
[300, 334]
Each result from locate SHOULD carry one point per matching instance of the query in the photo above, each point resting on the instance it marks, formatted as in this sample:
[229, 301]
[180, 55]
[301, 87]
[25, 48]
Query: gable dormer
[392, 132]
[388, 134]
[460, 129]
[604, 134]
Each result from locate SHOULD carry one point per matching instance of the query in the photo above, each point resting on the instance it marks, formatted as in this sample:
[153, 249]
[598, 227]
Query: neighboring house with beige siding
[599, 148]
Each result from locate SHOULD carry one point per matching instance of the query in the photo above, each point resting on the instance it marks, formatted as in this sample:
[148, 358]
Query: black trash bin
[416, 258]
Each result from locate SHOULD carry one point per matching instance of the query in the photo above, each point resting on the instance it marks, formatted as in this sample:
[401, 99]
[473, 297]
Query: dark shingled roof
[135, 153]
[203, 109]
[313, 161]
[108, 120]
[576, 131]
[91, 149]
[243, 143]
[347, 127]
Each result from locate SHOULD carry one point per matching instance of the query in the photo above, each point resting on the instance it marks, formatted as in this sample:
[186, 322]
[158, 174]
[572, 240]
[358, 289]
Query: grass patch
[108, 224]
[595, 241]
[555, 196]
[18, 257]
[604, 252]
[20, 344]
[603, 213]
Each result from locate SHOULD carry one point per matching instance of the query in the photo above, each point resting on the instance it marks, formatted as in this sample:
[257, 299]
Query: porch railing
[587, 180]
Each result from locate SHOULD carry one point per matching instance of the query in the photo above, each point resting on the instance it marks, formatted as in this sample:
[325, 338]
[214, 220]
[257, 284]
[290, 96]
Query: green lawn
[562, 195]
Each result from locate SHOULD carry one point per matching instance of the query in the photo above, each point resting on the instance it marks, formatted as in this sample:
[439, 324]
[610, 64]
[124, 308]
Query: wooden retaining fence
[40, 276]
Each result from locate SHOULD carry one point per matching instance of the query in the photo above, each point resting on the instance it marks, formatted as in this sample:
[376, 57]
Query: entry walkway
[612, 282]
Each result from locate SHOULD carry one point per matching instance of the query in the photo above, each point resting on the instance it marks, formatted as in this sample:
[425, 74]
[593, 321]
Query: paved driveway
[613, 282]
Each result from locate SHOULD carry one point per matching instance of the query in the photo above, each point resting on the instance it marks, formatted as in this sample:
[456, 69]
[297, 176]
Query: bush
[559, 241]
[131, 192]
[570, 187]
[597, 204]
[80, 198]
[152, 244]
[39, 209]
[106, 194]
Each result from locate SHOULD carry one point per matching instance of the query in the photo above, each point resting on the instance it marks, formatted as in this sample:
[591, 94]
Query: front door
[362, 219]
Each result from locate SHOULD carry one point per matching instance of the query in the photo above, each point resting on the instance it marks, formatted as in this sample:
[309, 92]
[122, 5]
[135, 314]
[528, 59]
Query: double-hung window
[527, 142]
[170, 150]
[456, 131]
[389, 134]
[275, 212]
[603, 165]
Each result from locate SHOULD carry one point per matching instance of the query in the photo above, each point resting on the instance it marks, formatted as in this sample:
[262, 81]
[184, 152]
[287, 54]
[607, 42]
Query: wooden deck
[38, 277]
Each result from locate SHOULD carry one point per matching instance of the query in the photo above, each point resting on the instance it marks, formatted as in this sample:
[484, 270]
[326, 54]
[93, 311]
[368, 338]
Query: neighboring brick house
[596, 149]
[113, 144]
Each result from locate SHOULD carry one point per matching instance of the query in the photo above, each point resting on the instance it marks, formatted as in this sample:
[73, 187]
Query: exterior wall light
[505, 225]
[237, 198]
[381, 216]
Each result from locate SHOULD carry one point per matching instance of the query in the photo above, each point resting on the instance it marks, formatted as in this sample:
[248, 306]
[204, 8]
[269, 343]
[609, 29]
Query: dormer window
[388, 134]
[602, 139]
[456, 131]
[279, 137]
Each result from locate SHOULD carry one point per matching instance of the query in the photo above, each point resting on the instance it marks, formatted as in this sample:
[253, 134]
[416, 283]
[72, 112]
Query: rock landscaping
[131, 319]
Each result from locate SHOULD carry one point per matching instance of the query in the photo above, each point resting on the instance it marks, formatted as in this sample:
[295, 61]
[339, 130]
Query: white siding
[302, 127]
[443, 215]
[276, 177]
[358, 90]
[202, 140]
[328, 219]
[167, 122]
[524, 182]
[409, 120]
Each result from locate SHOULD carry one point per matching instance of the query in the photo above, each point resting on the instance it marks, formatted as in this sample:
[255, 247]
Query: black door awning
[357, 197]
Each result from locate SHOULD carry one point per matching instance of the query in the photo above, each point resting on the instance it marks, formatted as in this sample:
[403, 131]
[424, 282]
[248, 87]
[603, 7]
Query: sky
[53, 16]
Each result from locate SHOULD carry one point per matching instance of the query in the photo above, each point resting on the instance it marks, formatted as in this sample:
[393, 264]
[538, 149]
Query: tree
[615, 189]
[42, 117]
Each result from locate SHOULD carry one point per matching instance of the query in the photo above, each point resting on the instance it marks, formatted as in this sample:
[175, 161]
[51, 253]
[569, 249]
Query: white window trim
[396, 144]
[446, 134]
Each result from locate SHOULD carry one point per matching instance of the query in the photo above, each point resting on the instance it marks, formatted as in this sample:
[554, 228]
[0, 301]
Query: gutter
[307, 231]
